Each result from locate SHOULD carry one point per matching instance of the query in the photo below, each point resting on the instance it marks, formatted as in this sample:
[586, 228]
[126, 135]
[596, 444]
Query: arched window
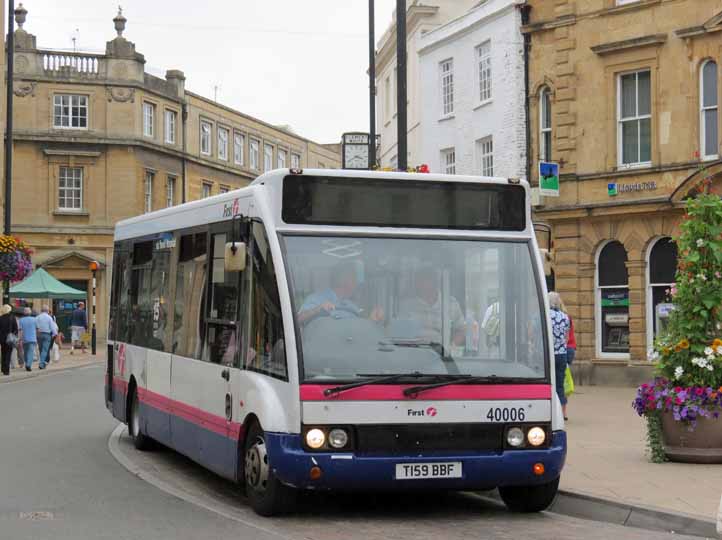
[545, 125]
[661, 267]
[709, 133]
[612, 297]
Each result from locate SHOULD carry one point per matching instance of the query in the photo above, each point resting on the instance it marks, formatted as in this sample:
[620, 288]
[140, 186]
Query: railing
[61, 63]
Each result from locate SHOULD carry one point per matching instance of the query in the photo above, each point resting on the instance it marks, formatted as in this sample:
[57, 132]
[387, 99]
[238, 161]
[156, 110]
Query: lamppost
[93, 268]
[10, 51]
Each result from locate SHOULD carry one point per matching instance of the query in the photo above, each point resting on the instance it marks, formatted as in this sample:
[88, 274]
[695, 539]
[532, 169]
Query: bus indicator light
[315, 473]
[538, 469]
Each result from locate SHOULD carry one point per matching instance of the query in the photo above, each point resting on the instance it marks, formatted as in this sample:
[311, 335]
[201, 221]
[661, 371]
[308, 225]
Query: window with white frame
[70, 111]
[448, 161]
[206, 129]
[485, 156]
[254, 153]
[446, 74]
[170, 191]
[281, 158]
[295, 161]
[635, 118]
[223, 144]
[267, 157]
[223, 189]
[483, 57]
[170, 124]
[545, 125]
[661, 269]
[148, 119]
[239, 142]
[205, 190]
[612, 300]
[70, 189]
[148, 191]
[709, 131]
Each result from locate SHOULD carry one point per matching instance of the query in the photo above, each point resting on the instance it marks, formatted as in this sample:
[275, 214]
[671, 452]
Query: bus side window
[189, 292]
[159, 290]
[140, 304]
[266, 351]
[118, 313]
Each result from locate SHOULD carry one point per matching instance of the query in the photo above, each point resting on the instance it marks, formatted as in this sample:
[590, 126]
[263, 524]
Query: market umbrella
[40, 284]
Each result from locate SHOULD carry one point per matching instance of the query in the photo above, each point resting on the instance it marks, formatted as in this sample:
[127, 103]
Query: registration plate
[418, 471]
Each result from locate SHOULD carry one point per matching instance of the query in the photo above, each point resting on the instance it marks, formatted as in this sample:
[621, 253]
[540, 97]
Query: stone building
[98, 139]
[624, 95]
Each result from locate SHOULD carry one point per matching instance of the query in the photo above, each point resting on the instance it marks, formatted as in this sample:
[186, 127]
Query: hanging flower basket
[15, 264]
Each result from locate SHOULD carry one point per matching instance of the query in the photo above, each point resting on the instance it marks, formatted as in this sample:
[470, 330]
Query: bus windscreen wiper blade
[439, 348]
[467, 379]
[377, 379]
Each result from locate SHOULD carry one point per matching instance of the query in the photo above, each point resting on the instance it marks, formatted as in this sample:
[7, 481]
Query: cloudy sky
[301, 63]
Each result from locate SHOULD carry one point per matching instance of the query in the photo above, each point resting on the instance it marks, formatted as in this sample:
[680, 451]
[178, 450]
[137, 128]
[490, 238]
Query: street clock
[356, 151]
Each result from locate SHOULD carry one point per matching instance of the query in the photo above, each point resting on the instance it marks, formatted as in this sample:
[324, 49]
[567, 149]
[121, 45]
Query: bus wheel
[268, 497]
[141, 441]
[529, 498]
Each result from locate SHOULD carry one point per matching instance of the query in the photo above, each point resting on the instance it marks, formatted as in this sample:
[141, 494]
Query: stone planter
[703, 445]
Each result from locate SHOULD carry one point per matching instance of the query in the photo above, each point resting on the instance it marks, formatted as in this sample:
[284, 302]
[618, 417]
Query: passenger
[426, 308]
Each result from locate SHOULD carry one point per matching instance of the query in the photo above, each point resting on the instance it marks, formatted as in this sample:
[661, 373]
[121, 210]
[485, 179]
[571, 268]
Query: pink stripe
[394, 392]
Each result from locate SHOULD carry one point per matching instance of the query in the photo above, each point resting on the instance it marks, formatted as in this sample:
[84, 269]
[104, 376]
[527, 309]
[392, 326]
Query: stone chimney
[178, 79]
[23, 40]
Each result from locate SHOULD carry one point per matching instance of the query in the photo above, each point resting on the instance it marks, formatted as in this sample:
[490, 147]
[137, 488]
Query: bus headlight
[536, 436]
[515, 437]
[338, 438]
[315, 438]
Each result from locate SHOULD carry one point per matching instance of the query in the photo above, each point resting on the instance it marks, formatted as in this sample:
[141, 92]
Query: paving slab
[67, 361]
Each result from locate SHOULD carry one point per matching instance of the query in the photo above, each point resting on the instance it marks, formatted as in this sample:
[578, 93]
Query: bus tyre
[529, 498]
[140, 440]
[267, 496]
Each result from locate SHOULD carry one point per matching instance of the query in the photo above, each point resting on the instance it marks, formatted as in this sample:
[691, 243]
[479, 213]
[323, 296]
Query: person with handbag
[8, 337]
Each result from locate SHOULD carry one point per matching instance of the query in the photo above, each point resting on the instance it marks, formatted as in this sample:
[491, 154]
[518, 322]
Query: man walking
[78, 327]
[28, 327]
[45, 326]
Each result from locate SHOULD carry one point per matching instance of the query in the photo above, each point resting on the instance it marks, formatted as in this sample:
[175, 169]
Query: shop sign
[615, 298]
[614, 189]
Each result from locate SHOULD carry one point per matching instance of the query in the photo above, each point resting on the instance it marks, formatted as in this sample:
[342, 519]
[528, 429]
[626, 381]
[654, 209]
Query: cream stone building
[99, 139]
[624, 95]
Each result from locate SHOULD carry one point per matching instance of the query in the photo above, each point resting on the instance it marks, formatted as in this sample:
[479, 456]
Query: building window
[709, 133]
[148, 119]
[635, 119]
[387, 98]
[170, 123]
[545, 125]
[612, 300]
[295, 161]
[223, 144]
[446, 73]
[70, 111]
[267, 157]
[485, 156]
[239, 141]
[623, 2]
[281, 158]
[223, 189]
[206, 138]
[148, 191]
[661, 269]
[205, 190]
[170, 192]
[253, 152]
[448, 161]
[483, 55]
[70, 188]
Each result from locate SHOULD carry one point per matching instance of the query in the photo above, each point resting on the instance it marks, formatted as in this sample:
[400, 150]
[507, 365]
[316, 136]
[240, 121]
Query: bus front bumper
[348, 472]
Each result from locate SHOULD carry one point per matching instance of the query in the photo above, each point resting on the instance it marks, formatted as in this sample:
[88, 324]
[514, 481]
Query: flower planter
[703, 445]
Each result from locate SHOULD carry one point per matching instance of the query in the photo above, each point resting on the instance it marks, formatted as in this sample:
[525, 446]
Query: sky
[290, 62]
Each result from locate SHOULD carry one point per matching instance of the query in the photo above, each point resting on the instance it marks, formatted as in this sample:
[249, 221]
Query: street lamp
[93, 268]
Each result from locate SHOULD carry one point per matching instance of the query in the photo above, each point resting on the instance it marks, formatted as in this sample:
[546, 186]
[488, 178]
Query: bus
[341, 330]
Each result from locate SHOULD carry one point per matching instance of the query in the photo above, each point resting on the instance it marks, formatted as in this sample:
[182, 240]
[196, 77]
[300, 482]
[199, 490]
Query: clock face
[357, 156]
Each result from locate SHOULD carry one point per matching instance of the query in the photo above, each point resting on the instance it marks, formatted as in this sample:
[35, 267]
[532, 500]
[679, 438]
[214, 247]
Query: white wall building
[421, 16]
[472, 100]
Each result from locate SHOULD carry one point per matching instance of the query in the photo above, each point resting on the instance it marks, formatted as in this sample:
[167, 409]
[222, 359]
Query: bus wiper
[376, 379]
[467, 379]
[437, 347]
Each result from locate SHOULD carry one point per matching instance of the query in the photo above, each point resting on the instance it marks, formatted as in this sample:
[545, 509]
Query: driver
[336, 300]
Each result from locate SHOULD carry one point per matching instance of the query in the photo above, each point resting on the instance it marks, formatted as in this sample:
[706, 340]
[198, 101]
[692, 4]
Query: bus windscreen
[373, 202]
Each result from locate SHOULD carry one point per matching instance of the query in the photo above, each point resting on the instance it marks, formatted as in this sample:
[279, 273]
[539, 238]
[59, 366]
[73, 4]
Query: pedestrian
[572, 341]
[78, 327]
[8, 337]
[560, 332]
[46, 329]
[54, 353]
[29, 337]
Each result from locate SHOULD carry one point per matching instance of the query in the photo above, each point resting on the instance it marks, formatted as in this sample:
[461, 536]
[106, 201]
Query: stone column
[636, 268]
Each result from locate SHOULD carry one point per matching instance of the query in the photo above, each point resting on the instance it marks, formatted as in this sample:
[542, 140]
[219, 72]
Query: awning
[40, 284]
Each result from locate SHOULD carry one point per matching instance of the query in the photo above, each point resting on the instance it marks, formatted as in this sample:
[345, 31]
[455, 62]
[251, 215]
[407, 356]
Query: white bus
[341, 330]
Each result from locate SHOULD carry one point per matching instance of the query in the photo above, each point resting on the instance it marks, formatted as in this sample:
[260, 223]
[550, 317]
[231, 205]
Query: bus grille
[414, 438]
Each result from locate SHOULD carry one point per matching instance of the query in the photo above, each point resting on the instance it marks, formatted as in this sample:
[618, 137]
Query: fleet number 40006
[506, 414]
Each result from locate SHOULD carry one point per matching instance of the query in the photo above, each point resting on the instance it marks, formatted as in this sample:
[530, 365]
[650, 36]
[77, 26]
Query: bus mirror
[235, 257]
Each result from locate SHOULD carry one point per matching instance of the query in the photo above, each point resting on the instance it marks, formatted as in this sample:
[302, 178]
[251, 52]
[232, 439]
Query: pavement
[67, 361]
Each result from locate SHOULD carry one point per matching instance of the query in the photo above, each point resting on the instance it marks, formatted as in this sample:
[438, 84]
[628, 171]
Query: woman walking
[8, 327]
[560, 331]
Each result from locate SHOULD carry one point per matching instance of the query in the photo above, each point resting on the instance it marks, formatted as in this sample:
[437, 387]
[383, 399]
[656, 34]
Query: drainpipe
[525, 9]
[184, 121]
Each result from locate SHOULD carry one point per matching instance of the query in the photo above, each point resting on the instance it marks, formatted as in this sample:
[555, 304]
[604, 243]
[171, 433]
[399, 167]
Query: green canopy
[40, 284]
